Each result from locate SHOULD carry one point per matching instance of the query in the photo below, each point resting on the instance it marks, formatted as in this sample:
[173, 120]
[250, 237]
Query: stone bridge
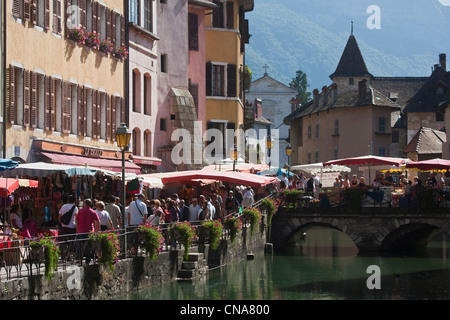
[371, 232]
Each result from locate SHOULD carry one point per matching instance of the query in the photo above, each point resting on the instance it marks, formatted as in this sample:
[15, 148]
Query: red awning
[244, 178]
[367, 160]
[429, 165]
[147, 160]
[78, 161]
[9, 185]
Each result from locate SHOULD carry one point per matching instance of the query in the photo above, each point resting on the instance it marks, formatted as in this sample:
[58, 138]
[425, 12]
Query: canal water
[325, 265]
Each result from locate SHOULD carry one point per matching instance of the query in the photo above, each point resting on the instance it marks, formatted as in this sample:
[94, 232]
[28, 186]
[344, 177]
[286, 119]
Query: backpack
[66, 217]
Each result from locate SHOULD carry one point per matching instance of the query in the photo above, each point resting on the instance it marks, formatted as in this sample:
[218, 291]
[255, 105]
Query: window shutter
[33, 12]
[113, 117]
[26, 98]
[16, 8]
[230, 15]
[66, 107]
[193, 31]
[113, 28]
[108, 117]
[99, 114]
[26, 10]
[53, 84]
[108, 15]
[47, 104]
[80, 110]
[122, 30]
[33, 99]
[95, 16]
[86, 93]
[68, 15]
[209, 79]
[218, 15]
[94, 114]
[82, 6]
[47, 14]
[56, 23]
[231, 80]
[11, 94]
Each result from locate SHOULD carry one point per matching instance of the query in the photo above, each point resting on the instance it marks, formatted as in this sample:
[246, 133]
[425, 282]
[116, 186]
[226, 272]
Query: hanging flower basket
[252, 215]
[110, 247]
[215, 229]
[234, 226]
[188, 235]
[151, 239]
[48, 249]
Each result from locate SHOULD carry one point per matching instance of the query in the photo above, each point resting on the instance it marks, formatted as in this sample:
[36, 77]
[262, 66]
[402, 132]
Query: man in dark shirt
[184, 211]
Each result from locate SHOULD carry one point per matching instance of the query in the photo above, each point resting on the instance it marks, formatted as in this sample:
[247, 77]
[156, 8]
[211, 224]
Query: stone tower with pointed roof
[351, 68]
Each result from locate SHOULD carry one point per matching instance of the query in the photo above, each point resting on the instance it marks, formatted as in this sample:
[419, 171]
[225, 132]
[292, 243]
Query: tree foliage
[300, 84]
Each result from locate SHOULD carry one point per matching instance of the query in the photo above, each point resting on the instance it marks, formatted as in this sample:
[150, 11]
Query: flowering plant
[153, 239]
[105, 46]
[271, 207]
[253, 215]
[92, 39]
[187, 233]
[77, 34]
[51, 254]
[215, 229]
[110, 247]
[234, 225]
[121, 52]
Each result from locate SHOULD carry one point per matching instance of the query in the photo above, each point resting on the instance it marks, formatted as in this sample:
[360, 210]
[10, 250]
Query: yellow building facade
[226, 35]
[64, 87]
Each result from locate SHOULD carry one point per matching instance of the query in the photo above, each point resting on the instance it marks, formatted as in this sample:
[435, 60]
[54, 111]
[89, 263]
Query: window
[221, 79]
[316, 156]
[163, 124]
[134, 12]
[309, 132]
[136, 91]
[148, 23]
[317, 130]
[336, 153]
[336, 127]
[147, 94]
[136, 141]
[395, 136]
[147, 143]
[74, 107]
[218, 80]
[103, 114]
[351, 81]
[224, 14]
[193, 31]
[163, 62]
[381, 124]
[382, 151]
[309, 157]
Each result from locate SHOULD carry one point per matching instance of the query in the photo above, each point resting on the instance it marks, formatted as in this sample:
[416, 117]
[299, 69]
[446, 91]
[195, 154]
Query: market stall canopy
[275, 171]
[241, 167]
[319, 167]
[9, 185]
[8, 164]
[429, 165]
[367, 160]
[193, 176]
[44, 169]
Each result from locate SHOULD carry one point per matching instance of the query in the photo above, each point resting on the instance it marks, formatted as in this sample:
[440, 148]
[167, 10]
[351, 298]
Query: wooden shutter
[47, 104]
[231, 80]
[108, 117]
[113, 117]
[16, 8]
[108, 16]
[82, 8]
[218, 15]
[208, 77]
[11, 103]
[26, 10]
[26, 98]
[113, 28]
[33, 12]
[56, 23]
[80, 110]
[230, 15]
[66, 107]
[47, 14]
[99, 113]
[95, 17]
[94, 114]
[122, 31]
[33, 99]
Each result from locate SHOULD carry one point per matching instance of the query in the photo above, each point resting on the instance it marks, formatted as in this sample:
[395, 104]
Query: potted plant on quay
[47, 248]
[152, 240]
[187, 234]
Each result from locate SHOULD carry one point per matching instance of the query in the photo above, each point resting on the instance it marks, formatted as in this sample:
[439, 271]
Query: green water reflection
[324, 265]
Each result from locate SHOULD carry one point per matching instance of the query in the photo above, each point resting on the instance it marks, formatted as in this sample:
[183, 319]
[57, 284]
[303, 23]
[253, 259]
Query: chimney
[325, 94]
[316, 97]
[362, 88]
[258, 107]
[442, 61]
[334, 89]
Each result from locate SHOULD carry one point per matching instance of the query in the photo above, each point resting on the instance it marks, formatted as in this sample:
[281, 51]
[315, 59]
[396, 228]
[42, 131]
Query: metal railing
[18, 260]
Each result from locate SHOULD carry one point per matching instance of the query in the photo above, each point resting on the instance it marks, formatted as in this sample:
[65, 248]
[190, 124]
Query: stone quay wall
[97, 282]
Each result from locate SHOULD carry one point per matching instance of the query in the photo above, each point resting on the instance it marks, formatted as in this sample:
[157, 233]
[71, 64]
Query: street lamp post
[123, 137]
[234, 156]
[288, 153]
[269, 147]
